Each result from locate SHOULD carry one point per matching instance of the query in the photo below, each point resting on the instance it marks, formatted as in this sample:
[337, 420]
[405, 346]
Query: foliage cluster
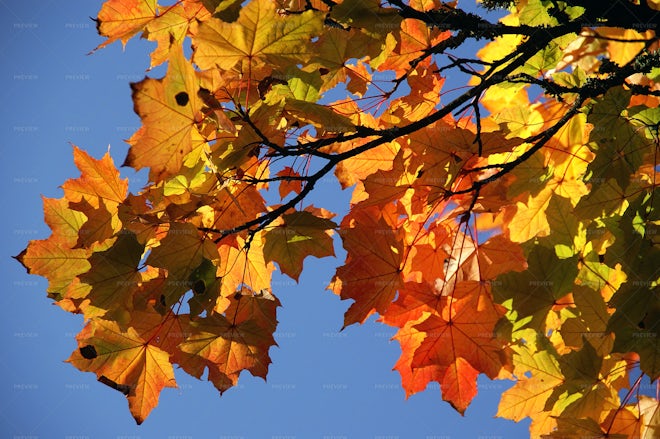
[509, 228]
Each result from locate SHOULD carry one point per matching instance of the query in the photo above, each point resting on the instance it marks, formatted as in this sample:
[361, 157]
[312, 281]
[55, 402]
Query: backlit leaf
[240, 340]
[501, 210]
[169, 110]
[125, 362]
[259, 36]
[302, 234]
[371, 274]
[461, 340]
[121, 19]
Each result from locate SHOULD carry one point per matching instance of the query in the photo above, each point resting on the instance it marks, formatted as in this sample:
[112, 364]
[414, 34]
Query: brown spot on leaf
[88, 352]
[199, 287]
[182, 98]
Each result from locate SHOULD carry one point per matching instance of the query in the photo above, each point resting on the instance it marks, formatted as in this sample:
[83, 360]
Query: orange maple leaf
[169, 109]
[372, 272]
[459, 340]
[126, 362]
[228, 344]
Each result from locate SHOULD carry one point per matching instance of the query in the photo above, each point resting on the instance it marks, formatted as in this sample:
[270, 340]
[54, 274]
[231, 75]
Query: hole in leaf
[199, 287]
[267, 83]
[181, 98]
[88, 352]
[641, 324]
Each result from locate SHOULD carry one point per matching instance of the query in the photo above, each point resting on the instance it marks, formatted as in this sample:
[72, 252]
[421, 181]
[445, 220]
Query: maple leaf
[416, 379]
[499, 255]
[288, 186]
[535, 291]
[650, 416]
[171, 27]
[99, 181]
[180, 253]
[226, 348]
[388, 186]
[356, 169]
[121, 19]
[567, 234]
[507, 227]
[302, 234]
[205, 285]
[415, 37]
[169, 109]
[65, 223]
[259, 37]
[425, 89]
[125, 362]
[591, 319]
[637, 300]
[584, 393]
[112, 279]
[335, 47]
[622, 421]
[623, 44]
[529, 219]
[101, 224]
[371, 275]
[460, 339]
[243, 264]
[235, 204]
[236, 341]
[61, 259]
[431, 252]
[165, 332]
[528, 396]
[618, 143]
[413, 300]
[58, 264]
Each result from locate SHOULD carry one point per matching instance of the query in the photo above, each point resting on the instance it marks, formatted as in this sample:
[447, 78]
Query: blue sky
[322, 384]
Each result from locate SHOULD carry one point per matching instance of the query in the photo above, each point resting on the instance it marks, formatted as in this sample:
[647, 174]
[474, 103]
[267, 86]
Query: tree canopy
[505, 227]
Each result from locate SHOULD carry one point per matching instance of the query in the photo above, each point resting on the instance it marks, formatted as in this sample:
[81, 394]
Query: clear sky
[322, 384]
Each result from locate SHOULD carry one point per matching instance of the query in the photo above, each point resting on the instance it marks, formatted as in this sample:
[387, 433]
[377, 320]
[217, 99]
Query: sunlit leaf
[125, 362]
[501, 177]
[169, 110]
[301, 234]
[259, 36]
